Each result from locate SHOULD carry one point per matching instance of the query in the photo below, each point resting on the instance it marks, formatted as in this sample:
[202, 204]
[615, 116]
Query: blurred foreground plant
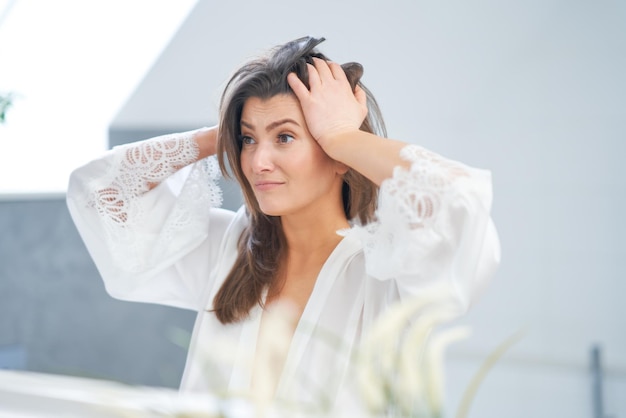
[6, 101]
[400, 367]
[398, 371]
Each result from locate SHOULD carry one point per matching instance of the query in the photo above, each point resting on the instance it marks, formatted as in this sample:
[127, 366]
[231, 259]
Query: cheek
[315, 159]
[325, 164]
[244, 163]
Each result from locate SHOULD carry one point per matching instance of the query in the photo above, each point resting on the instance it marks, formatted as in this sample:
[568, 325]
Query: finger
[322, 68]
[314, 77]
[297, 86]
[337, 71]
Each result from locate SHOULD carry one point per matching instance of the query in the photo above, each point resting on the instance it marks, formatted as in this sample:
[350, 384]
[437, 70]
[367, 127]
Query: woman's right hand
[330, 106]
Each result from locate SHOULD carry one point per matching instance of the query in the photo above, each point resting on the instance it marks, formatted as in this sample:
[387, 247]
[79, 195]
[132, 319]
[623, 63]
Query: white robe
[172, 245]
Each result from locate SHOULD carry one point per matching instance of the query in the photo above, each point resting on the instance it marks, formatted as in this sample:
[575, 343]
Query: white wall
[70, 65]
[533, 90]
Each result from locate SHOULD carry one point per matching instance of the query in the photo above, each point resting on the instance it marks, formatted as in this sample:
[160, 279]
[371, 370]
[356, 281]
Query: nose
[262, 158]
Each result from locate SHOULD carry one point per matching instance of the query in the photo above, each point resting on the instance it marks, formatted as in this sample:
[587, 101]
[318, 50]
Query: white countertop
[28, 394]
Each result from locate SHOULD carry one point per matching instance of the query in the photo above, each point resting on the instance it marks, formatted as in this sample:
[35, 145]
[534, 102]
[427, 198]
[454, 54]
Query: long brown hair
[261, 246]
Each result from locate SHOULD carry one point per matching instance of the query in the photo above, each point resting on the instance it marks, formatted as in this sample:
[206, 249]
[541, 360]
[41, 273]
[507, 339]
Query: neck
[308, 233]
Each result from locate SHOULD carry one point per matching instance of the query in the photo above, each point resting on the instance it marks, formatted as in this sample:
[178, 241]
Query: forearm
[113, 183]
[372, 156]
[152, 161]
[130, 170]
[206, 139]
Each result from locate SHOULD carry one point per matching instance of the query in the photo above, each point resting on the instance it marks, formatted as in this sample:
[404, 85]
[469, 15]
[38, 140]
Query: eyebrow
[272, 125]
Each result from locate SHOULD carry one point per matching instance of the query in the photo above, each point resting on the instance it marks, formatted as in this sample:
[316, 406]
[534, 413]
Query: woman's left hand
[330, 106]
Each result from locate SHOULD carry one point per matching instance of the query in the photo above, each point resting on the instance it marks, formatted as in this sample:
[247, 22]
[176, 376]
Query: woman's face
[288, 171]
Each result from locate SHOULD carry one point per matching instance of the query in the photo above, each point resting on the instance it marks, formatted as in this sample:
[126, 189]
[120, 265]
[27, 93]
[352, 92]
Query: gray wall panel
[55, 315]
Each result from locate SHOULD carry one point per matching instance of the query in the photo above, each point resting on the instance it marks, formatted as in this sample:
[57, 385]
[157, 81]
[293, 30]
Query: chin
[270, 213]
[271, 210]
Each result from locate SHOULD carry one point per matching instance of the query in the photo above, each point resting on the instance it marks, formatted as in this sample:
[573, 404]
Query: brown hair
[262, 244]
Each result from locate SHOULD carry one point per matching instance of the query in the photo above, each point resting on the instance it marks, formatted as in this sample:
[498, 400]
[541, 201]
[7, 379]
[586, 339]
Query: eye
[246, 140]
[285, 138]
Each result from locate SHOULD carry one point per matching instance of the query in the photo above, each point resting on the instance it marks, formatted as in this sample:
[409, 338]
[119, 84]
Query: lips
[267, 185]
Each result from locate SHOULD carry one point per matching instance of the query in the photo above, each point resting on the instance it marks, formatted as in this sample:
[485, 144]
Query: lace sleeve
[146, 200]
[433, 223]
[415, 196]
[136, 169]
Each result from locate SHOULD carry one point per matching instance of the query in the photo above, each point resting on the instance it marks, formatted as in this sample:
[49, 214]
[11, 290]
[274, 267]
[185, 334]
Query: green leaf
[6, 100]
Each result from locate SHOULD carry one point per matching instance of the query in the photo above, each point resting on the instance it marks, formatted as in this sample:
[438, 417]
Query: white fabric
[171, 245]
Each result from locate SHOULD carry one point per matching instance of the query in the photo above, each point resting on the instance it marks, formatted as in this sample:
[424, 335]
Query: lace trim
[415, 194]
[140, 168]
[199, 194]
[136, 170]
[410, 205]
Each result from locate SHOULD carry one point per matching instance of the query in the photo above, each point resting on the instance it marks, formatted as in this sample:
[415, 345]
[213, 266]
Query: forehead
[257, 110]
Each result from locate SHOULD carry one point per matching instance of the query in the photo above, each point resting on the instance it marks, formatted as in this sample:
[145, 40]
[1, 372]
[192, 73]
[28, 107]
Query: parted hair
[261, 246]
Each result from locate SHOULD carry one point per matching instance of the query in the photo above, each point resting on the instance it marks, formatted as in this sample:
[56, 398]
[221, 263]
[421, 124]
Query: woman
[305, 141]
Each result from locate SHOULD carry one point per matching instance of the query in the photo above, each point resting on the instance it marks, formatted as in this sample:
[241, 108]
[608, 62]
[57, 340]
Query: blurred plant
[400, 368]
[6, 101]
[397, 371]
[488, 363]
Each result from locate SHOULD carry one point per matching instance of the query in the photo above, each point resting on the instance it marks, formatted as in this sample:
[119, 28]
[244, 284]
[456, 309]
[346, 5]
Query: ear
[341, 168]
